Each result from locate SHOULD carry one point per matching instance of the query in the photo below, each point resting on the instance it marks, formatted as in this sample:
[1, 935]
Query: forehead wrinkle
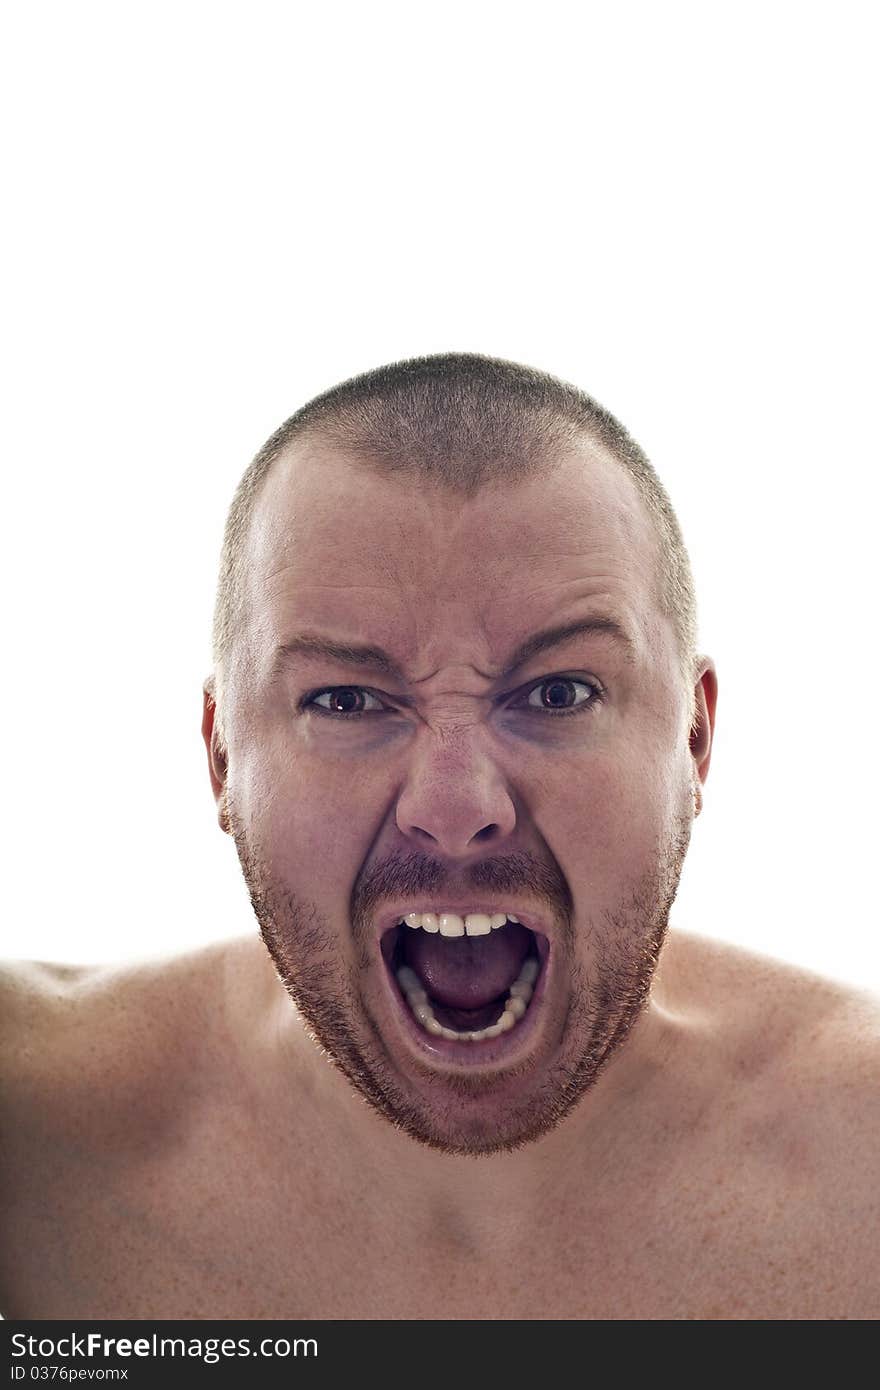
[479, 628]
[421, 680]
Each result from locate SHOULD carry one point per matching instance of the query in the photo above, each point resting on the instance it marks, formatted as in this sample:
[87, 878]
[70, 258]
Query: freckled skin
[239, 1132]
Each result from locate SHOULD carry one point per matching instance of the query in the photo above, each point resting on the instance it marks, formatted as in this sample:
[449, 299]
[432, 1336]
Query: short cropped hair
[461, 421]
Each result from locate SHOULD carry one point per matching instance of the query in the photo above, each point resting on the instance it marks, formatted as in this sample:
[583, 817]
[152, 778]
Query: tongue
[467, 972]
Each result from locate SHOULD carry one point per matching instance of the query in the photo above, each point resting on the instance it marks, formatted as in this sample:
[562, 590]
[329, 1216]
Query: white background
[213, 212]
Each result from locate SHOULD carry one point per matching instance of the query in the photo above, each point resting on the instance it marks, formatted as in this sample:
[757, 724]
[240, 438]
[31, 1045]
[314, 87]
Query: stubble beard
[604, 1002]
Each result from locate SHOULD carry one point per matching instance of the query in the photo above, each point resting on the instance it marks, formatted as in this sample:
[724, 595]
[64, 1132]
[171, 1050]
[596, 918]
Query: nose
[455, 799]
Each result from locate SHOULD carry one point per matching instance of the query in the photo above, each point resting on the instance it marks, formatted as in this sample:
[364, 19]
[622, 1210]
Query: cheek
[309, 817]
[606, 818]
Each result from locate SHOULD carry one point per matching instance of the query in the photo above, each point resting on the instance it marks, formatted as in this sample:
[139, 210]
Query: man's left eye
[561, 694]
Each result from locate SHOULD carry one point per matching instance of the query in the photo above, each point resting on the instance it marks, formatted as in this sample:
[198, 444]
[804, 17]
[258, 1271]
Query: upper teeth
[451, 924]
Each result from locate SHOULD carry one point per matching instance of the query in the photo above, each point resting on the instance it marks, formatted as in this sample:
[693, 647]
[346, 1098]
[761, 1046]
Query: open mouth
[466, 980]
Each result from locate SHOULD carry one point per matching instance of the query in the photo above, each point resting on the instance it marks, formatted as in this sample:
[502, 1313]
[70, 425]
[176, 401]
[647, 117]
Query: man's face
[559, 790]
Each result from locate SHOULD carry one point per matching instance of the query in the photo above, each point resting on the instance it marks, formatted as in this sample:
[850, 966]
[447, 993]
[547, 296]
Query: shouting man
[458, 730]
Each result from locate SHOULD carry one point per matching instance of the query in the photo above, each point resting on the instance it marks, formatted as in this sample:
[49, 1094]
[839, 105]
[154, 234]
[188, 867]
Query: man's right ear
[217, 755]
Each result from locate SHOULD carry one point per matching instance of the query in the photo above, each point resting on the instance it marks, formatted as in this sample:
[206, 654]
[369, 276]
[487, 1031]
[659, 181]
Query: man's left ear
[703, 726]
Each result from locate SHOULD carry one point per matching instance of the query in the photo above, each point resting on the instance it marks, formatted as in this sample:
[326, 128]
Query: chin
[472, 1113]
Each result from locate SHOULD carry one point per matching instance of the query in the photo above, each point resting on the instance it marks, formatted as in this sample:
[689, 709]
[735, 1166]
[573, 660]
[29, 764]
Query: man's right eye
[343, 701]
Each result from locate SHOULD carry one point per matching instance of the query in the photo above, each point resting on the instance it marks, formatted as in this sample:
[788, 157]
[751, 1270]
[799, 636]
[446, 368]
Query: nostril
[426, 834]
[488, 832]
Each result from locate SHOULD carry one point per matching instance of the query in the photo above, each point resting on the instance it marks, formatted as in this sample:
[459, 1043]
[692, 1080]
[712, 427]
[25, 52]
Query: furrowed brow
[353, 654]
[608, 628]
[365, 656]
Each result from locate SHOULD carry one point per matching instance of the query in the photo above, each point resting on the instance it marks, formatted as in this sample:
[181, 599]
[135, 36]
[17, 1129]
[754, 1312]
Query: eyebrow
[363, 655]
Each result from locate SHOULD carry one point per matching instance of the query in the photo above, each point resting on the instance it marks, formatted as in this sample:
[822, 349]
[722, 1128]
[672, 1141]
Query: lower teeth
[515, 1004]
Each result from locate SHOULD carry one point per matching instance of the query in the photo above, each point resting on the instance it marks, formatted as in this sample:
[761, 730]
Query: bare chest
[197, 1238]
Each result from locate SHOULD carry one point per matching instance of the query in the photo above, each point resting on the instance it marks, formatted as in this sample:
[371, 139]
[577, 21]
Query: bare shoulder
[802, 1067]
[107, 1079]
[800, 1032]
[788, 1010]
[87, 1046]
